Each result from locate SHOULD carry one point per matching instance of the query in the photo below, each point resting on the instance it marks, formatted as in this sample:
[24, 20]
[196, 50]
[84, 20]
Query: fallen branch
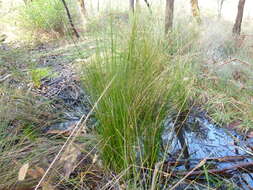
[229, 158]
[201, 163]
[4, 78]
[211, 159]
[228, 171]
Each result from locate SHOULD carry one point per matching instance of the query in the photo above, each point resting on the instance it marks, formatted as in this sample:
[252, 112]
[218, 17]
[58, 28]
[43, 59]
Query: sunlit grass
[148, 84]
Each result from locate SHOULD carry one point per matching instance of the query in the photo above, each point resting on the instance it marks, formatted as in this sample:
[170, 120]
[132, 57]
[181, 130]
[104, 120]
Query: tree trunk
[131, 5]
[169, 11]
[83, 7]
[238, 21]
[220, 4]
[98, 6]
[70, 19]
[137, 5]
[195, 10]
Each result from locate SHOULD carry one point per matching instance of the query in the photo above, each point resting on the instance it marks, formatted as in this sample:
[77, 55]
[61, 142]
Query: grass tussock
[146, 82]
[20, 110]
[22, 118]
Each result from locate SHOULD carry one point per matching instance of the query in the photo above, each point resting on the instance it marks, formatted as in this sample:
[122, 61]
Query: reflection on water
[206, 140]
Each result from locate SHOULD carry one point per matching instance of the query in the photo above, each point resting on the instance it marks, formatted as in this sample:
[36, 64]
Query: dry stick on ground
[180, 136]
[70, 19]
[176, 162]
[189, 173]
[82, 120]
[4, 78]
[179, 125]
[246, 167]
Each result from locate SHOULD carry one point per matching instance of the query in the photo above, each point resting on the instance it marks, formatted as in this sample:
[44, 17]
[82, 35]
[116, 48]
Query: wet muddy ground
[226, 152]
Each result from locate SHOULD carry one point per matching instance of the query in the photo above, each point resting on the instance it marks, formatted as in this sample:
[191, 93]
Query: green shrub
[147, 83]
[38, 74]
[46, 16]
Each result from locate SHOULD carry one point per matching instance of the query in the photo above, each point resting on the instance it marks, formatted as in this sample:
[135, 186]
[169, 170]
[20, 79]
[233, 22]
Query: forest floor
[44, 103]
[50, 100]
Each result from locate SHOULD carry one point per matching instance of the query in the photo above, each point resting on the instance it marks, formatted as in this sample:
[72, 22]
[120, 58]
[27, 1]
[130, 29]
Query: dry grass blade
[69, 158]
[5, 78]
[116, 179]
[201, 163]
[157, 167]
[237, 60]
[82, 120]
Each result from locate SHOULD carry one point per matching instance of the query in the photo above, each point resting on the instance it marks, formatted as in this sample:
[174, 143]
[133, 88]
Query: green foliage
[43, 16]
[38, 74]
[30, 132]
[147, 83]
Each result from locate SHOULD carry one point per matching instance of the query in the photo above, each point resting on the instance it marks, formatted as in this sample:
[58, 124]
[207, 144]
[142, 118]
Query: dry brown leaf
[234, 124]
[36, 173]
[47, 186]
[23, 171]
[33, 173]
[40, 170]
[69, 158]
